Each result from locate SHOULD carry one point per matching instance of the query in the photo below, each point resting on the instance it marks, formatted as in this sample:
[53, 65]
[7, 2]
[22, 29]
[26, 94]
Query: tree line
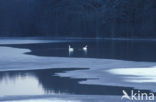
[78, 18]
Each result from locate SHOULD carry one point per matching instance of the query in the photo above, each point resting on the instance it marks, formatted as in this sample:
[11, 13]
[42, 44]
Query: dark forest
[78, 18]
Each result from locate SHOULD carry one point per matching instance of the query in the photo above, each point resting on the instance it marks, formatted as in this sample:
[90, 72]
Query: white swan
[85, 48]
[70, 49]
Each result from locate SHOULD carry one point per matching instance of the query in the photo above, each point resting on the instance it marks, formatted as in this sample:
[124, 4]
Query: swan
[70, 49]
[85, 48]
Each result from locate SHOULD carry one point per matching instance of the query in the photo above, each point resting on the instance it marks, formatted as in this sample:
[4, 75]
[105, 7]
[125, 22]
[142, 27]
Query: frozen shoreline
[18, 60]
[101, 71]
[74, 38]
[62, 98]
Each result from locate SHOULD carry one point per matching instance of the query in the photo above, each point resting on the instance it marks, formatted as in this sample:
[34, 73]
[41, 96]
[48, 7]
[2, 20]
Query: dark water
[110, 49]
[41, 82]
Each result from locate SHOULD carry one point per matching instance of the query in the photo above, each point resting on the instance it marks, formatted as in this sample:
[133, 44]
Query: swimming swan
[85, 48]
[70, 49]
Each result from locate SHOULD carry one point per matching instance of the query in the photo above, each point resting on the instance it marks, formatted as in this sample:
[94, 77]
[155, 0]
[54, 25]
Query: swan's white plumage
[70, 49]
[85, 48]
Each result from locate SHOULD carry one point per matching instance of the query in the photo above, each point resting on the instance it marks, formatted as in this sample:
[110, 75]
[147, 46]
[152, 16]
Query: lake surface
[109, 49]
[45, 81]
[48, 82]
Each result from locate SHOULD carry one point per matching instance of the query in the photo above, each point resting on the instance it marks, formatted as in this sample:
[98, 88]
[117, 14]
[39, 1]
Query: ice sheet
[27, 41]
[137, 75]
[99, 74]
[63, 98]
